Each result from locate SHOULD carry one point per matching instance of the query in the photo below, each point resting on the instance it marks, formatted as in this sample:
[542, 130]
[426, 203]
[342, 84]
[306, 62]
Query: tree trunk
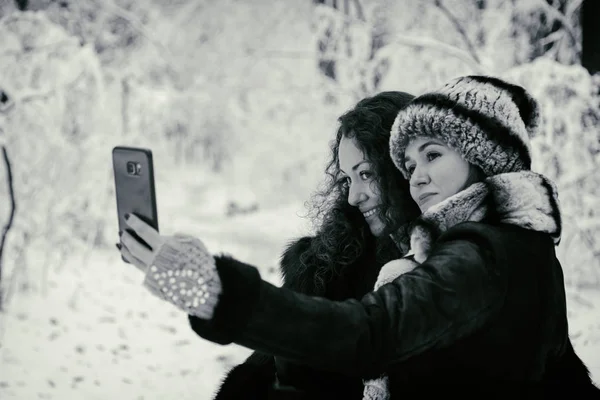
[11, 216]
[590, 54]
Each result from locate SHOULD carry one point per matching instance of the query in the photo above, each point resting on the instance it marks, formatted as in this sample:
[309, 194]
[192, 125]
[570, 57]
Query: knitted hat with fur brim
[485, 119]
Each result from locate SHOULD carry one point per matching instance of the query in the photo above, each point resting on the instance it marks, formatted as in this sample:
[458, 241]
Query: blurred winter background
[238, 100]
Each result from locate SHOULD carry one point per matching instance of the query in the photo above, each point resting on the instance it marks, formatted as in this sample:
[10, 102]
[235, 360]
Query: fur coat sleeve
[254, 378]
[360, 338]
[260, 372]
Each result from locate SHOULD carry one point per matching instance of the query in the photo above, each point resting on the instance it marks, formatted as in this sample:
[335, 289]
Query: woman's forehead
[350, 150]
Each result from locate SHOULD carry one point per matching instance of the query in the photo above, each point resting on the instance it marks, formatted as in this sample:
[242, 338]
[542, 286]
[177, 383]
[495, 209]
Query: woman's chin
[376, 226]
[427, 204]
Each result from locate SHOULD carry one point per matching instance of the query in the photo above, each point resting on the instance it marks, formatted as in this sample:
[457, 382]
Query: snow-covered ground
[97, 334]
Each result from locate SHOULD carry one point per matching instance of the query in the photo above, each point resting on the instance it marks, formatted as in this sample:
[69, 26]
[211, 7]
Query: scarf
[525, 199]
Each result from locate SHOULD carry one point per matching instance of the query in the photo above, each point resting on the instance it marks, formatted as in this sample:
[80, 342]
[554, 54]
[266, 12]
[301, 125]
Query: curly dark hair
[343, 234]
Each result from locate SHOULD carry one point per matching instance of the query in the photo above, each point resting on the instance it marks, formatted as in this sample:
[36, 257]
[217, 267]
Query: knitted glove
[184, 274]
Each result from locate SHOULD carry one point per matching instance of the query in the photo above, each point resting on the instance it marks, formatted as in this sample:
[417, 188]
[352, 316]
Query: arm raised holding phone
[340, 261]
[143, 246]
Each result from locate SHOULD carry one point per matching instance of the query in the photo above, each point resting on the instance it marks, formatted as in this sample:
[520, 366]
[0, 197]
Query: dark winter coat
[463, 344]
[266, 377]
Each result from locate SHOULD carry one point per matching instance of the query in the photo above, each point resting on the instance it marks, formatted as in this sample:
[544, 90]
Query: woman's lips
[425, 196]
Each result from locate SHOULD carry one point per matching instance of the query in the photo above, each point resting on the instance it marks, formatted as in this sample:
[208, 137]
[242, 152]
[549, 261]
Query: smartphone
[134, 186]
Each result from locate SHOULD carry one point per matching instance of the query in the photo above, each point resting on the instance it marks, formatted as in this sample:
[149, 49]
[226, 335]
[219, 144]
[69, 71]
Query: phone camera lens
[131, 168]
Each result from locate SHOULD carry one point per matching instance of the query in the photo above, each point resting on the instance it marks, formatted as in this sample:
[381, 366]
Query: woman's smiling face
[363, 192]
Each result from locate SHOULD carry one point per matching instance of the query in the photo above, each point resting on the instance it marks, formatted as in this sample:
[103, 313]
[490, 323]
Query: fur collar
[525, 199]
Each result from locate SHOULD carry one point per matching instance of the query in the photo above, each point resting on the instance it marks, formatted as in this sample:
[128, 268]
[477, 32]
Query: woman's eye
[410, 169]
[366, 175]
[432, 155]
[344, 181]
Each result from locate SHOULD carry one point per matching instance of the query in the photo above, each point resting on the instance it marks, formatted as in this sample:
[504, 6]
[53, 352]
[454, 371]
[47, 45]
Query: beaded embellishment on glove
[177, 289]
[184, 274]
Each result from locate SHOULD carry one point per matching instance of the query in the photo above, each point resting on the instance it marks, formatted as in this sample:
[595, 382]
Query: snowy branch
[273, 53]
[36, 94]
[414, 41]
[572, 7]
[29, 95]
[459, 28]
[444, 48]
[557, 15]
[45, 48]
[138, 25]
[184, 14]
[551, 38]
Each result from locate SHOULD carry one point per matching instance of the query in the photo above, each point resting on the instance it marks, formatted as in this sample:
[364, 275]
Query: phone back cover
[135, 193]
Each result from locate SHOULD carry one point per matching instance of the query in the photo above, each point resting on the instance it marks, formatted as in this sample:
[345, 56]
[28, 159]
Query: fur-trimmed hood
[525, 199]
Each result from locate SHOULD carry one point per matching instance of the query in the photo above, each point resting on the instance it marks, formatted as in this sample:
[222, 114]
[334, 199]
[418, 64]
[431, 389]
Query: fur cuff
[377, 389]
[394, 269]
[241, 292]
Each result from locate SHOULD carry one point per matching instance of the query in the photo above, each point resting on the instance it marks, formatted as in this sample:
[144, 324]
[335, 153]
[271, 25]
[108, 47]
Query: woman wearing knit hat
[477, 307]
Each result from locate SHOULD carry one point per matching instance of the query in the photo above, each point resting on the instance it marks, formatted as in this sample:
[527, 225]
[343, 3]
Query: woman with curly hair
[332, 263]
[364, 207]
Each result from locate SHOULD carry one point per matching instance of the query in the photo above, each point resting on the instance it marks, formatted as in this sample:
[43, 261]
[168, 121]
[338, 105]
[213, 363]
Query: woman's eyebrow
[356, 166]
[359, 164]
[421, 148]
[426, 144]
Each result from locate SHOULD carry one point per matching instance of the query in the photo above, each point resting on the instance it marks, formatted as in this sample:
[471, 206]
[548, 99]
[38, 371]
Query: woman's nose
[356, 195]
[419, 177]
